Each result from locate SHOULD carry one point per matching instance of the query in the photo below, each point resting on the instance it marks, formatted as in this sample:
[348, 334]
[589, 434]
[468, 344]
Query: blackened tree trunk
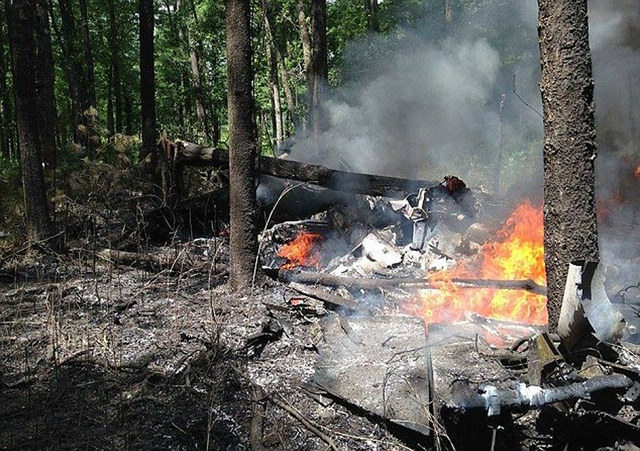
[570, 228]
[24, 85]
[274, 83]
[242, 146]
[147, 77]
[282, 68]
[88, 55]
[115, 84]
[74, 71]
[371, 10]
[319, 74]
[305, 39]
[45, 81]
[148, 88]
[6, 106]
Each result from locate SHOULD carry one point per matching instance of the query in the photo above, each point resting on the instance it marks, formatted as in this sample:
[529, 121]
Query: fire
[637, 173]
[300, 252]
[518, 255]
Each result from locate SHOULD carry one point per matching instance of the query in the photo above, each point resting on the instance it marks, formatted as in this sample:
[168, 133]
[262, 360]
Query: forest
[238, 224]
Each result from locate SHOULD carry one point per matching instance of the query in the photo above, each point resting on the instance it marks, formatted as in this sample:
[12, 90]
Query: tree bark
[24, 85]
[570, 227]
[148, 101]
[243, 245]
[319, 76]
[305, 39]
[274, 85]
[147, 77]
[45, 80]
[88, 56]
[282, 68]
[115, 97]
[371, 10]
[6, 106]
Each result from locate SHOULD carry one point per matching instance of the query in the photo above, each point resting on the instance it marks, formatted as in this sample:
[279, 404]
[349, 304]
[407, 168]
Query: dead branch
[375, 185]
[374, 284]
[324, 296]
[286, 407]
[134, 258]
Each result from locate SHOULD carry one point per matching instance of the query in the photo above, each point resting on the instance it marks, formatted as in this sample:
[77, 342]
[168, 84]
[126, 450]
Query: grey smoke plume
[431, 107]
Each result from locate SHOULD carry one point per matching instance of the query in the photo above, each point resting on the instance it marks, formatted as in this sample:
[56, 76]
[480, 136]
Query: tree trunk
[371, 10]
[274, 85]
[305, 38]
[114, 80]
[242, 146]
[88, 56]
[24, 85]
[194, 60]
[282, 68]
[76, 76]
[319, 68]
[147, 95]
[6, 128]
[45, 80]
[110, 122]
[570, 227]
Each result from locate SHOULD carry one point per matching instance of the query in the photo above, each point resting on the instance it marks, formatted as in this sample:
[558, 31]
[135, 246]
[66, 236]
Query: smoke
[433, 105]
[615, 45]
[430, 105]
[429, 108]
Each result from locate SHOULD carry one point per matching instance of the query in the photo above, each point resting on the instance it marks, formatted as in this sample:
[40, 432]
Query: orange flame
[300, 252]
[519, 255]
[637, 173]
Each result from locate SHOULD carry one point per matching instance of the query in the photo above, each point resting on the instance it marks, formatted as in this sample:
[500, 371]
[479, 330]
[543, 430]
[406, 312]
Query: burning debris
[436, 259]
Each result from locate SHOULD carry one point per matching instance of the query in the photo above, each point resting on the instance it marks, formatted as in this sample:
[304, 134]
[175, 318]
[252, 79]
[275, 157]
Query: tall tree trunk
[115, 79]
[570, 227]
[305, 38]
[76, 78]
[194, 60]
[147, 78]
[110, 122]
[243, 154]
[274, 84]
[6, 107]
[371, 10]
[24, 85]
[281, 66]
[88, 55]
[148, 102]
[319, 68]
[127, 111]
[45, 81]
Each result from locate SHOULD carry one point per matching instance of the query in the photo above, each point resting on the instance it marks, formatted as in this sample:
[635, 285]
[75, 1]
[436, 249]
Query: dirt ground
[97, 356]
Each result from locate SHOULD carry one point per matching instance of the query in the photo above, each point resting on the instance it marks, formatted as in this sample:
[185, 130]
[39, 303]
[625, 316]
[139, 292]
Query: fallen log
[374, 284]
[324, 296]
[190, 154]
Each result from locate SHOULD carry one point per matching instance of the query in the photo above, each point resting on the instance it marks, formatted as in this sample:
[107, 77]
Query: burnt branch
[374, 284]
[190, 154]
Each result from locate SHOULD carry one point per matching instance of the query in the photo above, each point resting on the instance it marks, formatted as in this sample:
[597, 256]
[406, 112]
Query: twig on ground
[288, 408]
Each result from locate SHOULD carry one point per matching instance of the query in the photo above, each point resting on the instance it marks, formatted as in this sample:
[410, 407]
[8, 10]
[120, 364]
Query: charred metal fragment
[493, 399]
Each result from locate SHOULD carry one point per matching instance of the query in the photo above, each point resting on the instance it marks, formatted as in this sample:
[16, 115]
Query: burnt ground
[97, 356]
[100, 356]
